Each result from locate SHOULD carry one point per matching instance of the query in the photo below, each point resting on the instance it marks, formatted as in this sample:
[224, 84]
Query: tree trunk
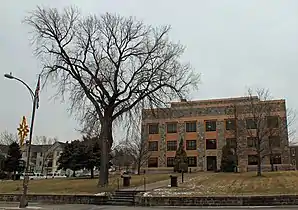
[271, 162]
[259, 172]
[73, 173]
[139, 168]
[92, 173]
[106, 139]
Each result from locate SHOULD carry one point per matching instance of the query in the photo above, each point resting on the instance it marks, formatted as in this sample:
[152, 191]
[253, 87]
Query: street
[94, 207]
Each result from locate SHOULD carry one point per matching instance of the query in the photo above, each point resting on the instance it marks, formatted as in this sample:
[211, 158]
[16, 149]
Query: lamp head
[9, 76]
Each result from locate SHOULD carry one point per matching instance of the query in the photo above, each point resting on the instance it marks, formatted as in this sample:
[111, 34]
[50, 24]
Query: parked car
[33, 176]
[55, 176]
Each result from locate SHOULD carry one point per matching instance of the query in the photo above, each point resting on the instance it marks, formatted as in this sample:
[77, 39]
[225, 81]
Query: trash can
[126, 180]
[174, 181]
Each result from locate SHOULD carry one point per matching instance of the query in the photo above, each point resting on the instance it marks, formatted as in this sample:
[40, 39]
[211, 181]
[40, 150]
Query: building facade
[294, 155]
[206, 126]
[43, 158]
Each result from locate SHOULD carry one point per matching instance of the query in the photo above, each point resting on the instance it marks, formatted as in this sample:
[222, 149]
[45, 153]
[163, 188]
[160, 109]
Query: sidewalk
[160, 184]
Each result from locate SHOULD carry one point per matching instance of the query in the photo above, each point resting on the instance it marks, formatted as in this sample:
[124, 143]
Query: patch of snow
[100, 194]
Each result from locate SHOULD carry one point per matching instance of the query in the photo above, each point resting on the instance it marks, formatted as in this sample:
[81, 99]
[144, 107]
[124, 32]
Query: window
[251, 124]
[170, 162]
[252, 142]
[153, 129]
[153, 162]
[231, 142]
[210, 143]
[276, 159]
[171, 145]
[210, 125]
[192, 161]
[272, 122]
[191, 144]
[171, 127]
[191, 126]
[230, 124]
[252, 159]
[153, 146]
[274, 141]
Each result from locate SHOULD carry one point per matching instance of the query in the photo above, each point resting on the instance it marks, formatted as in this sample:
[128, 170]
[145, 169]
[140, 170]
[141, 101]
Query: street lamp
[34, 96]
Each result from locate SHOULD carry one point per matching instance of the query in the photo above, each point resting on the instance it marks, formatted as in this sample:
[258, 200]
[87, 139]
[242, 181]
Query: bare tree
[137, 144]
[7, 138]
[254, 116]
[110, 66]
[43, 140]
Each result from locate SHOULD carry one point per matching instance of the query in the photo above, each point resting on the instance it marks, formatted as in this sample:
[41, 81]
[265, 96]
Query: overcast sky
[235, 44]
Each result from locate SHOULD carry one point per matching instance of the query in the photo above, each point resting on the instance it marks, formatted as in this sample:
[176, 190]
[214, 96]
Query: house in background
[43, 158]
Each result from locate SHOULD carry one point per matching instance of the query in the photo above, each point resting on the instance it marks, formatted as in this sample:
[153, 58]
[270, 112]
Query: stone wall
[162, 159]
[56, 199]
[201, 146]
[219, 201]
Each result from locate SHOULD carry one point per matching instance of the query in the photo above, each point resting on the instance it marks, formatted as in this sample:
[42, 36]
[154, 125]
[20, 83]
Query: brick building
[206, 126]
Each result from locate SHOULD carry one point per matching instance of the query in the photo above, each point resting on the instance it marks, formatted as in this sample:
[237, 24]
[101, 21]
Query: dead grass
[76, 186]
[284, 182]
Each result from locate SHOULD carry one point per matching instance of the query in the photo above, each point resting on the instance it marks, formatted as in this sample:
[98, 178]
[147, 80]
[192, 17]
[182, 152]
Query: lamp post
[23, 202]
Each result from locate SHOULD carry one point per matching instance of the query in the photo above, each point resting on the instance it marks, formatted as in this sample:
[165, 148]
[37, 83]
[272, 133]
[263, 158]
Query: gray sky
[235, 44]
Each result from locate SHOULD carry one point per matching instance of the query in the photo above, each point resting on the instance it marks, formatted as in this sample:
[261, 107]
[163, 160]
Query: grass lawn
[204, 184]
[76, 186]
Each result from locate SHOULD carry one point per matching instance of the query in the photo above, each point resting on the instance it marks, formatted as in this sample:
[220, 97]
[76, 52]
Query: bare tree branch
[7, 138]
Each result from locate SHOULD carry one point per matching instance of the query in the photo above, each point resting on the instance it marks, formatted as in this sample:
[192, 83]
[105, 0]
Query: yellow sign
[23, 130]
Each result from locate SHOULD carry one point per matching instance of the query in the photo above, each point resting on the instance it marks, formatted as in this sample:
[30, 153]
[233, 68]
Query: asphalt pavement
[94, 207]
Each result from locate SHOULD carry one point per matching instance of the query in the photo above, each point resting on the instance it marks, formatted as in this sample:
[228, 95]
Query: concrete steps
[123, 198]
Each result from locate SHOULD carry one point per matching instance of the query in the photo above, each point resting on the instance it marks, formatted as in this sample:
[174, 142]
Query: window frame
[248, 125]
[156, 162]
[233, 124]
[150, 148]
[207, 129]
[273, 143]
[269, 124]
[254, 145]
[273, 160]
[150, 130]
[174, 124]
[189, 125]
[195, 163]
[252, 163]
[172, 159]
[230, 140]
[188, 146]
[207, 140]
[172, 145]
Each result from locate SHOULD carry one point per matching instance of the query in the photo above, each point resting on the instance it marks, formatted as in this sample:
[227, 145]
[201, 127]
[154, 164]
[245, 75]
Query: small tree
[12, 162]
[180, 160]
[91, 155]
[228, 160]
[71, 157]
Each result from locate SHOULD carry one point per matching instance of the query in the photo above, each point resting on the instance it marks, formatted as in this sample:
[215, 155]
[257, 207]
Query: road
[92, 207]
